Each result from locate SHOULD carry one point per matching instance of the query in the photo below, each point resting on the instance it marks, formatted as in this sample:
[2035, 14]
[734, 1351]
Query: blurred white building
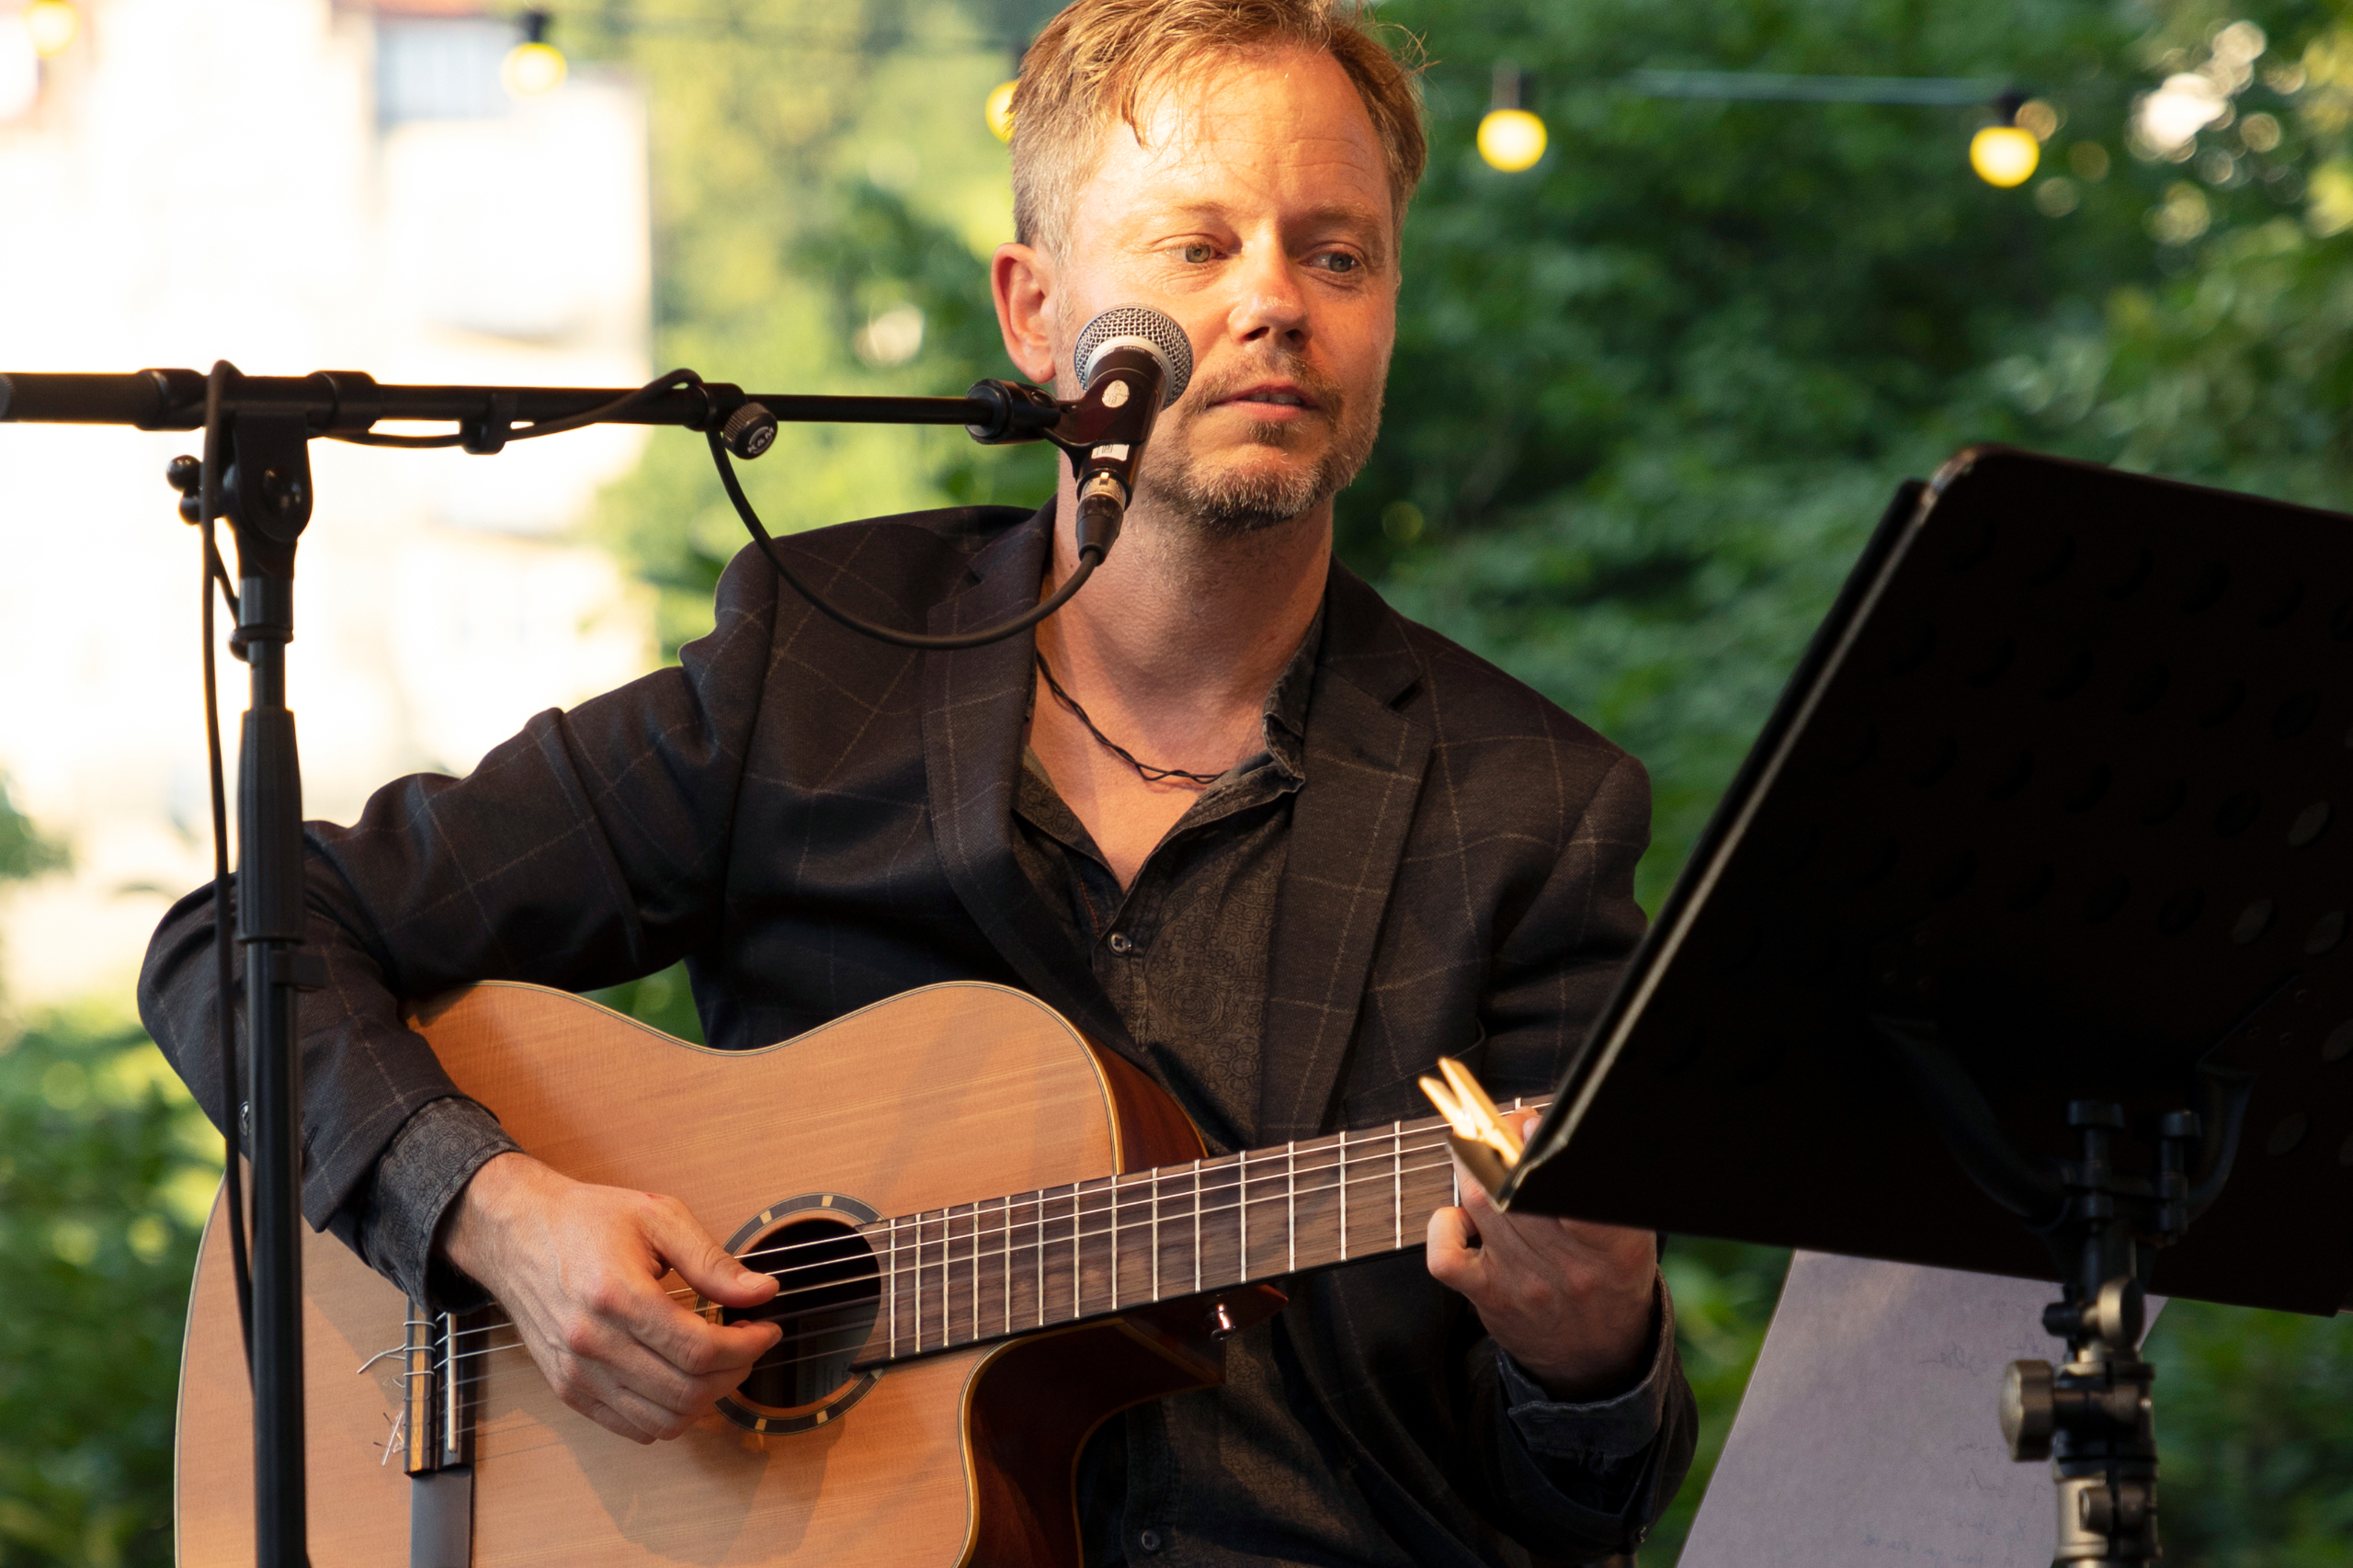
[294, 185]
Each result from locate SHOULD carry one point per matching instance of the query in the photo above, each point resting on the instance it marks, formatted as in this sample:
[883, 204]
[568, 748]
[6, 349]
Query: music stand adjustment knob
[2028, 1411]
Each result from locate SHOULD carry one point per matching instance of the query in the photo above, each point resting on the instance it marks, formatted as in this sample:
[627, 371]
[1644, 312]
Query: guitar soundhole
[828, 1297]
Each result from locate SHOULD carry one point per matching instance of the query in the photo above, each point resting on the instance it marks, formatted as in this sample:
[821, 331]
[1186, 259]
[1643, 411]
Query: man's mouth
[1271, 397]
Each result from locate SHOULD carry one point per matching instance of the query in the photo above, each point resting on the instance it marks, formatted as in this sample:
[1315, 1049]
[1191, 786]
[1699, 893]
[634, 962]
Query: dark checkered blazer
[815, 822]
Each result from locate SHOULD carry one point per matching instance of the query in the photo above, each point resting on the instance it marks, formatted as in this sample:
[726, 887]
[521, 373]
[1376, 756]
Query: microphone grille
[1145, 326]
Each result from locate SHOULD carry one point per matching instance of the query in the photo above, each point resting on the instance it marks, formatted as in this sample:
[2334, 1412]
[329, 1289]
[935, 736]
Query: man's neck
[1179, 634]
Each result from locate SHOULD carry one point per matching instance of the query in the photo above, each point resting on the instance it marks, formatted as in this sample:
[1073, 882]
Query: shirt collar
[1286, 709]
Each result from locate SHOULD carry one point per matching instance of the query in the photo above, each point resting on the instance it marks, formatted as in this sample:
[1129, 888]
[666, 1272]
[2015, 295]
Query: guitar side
[941, 1096]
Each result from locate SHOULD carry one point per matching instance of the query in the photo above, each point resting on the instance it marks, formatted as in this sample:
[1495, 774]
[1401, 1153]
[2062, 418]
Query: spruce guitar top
[990, 1236]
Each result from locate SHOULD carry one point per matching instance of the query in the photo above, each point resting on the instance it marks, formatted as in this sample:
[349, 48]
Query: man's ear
[1021, 280]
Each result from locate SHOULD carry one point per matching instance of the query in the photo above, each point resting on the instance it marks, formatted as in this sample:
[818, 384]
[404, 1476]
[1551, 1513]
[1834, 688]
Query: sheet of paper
[1868, 1436]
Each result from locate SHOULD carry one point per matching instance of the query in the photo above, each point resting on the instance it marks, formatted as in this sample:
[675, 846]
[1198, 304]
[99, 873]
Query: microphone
[1134, 361]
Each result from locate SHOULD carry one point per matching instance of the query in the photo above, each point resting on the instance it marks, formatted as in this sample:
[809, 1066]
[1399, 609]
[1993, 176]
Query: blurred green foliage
[106, 1173]
[2256, 1430]
[106, 1170]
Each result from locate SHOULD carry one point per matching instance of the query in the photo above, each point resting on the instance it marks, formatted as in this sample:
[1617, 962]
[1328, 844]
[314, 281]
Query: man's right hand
[579, 1269]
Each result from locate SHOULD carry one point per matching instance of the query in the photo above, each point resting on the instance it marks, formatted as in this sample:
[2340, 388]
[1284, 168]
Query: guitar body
[940, 1097]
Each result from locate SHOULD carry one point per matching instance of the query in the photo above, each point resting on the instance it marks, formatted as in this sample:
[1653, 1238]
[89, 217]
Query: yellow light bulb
[532, 69]
[1511, 139]
[998, 109]
[2004, 155]
[51, 24]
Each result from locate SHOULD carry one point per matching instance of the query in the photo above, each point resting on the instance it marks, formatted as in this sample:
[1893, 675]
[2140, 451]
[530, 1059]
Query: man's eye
[1341, 261]
[1198, 251]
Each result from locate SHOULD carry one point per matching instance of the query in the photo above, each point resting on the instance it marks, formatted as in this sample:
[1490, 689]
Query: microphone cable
[1094, 543]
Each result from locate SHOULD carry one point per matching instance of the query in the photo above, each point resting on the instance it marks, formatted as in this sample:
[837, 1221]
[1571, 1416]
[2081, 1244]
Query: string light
[2006, 152]
[51, 24]
[998, 109]
[1510, 138]
[535, 66]
[2004, 155]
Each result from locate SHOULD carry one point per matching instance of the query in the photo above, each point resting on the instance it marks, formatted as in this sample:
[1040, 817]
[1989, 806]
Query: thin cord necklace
[1144, 770]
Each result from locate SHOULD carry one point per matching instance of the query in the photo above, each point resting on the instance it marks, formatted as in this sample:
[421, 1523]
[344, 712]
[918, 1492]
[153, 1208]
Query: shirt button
[1149, 1541]
[1119, 944]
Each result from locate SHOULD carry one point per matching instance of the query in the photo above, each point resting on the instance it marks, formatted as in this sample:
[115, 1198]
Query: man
[1231, 815]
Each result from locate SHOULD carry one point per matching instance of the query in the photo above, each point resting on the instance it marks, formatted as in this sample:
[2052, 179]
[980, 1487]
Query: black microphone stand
[255, 472]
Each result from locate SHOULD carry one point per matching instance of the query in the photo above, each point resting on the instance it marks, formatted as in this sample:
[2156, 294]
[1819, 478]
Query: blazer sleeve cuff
[1596, 1434]
[418, 1180]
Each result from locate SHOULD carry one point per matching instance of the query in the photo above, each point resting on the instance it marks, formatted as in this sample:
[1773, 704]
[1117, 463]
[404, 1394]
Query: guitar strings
[975, 1258]
[1122, 1205]
[1118, 1226]
[1120, 1186]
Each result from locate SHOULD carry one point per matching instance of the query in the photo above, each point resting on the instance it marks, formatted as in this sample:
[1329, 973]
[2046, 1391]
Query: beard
[1215, 496]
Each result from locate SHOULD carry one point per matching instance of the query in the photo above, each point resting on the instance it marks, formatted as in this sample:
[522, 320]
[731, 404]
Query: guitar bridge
[439, 1413]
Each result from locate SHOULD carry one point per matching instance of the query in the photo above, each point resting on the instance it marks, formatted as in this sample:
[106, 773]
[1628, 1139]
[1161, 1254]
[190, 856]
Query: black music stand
[2032, 894]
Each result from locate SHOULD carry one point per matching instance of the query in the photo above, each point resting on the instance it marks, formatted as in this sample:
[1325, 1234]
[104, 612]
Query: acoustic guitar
[990, 1235]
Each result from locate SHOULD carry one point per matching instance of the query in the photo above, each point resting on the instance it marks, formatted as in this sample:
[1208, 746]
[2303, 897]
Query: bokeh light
[51, 24]
[1511, 139]
[2170, 119]
[2004, 155]
[998, 110]
[533, 69]
[2040, 116]
[19, 68]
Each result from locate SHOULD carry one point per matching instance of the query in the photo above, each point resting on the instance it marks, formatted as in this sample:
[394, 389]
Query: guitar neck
[1006, 1266]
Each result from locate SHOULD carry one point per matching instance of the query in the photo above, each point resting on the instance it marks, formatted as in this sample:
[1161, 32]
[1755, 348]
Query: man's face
[1255, 211]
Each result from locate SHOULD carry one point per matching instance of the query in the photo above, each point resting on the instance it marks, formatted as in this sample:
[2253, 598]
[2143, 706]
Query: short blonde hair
[1097, 59]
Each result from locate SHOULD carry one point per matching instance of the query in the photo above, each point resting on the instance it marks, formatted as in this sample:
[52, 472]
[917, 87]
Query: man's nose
[1270, 307]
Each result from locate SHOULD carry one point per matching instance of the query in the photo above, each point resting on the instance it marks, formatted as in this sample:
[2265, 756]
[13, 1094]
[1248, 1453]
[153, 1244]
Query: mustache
[1212, 386]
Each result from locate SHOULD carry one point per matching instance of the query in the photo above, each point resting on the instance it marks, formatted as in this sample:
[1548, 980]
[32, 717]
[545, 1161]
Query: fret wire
[1077, 1290]
[1156, 1232]
[1397, 1169]
[1344, 1194]
[1115, 1243]
[1197, 1224]
[1042, 1257]
[1007, 1200]
[1290, 1204]
[891, 1330]
[976, 1271]
[1242, 1244]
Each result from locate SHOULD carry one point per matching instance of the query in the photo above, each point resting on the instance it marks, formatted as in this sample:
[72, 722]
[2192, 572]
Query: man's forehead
[1225, 129]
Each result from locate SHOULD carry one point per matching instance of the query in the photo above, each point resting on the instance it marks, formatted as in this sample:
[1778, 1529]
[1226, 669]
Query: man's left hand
[1571, 1303]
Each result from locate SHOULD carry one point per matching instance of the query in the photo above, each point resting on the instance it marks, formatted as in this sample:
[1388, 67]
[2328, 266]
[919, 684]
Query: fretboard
[1006, 1266]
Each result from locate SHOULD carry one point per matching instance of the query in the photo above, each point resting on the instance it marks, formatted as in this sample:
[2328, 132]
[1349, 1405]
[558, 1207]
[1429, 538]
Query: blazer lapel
[972, 705]
[1365, 760]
